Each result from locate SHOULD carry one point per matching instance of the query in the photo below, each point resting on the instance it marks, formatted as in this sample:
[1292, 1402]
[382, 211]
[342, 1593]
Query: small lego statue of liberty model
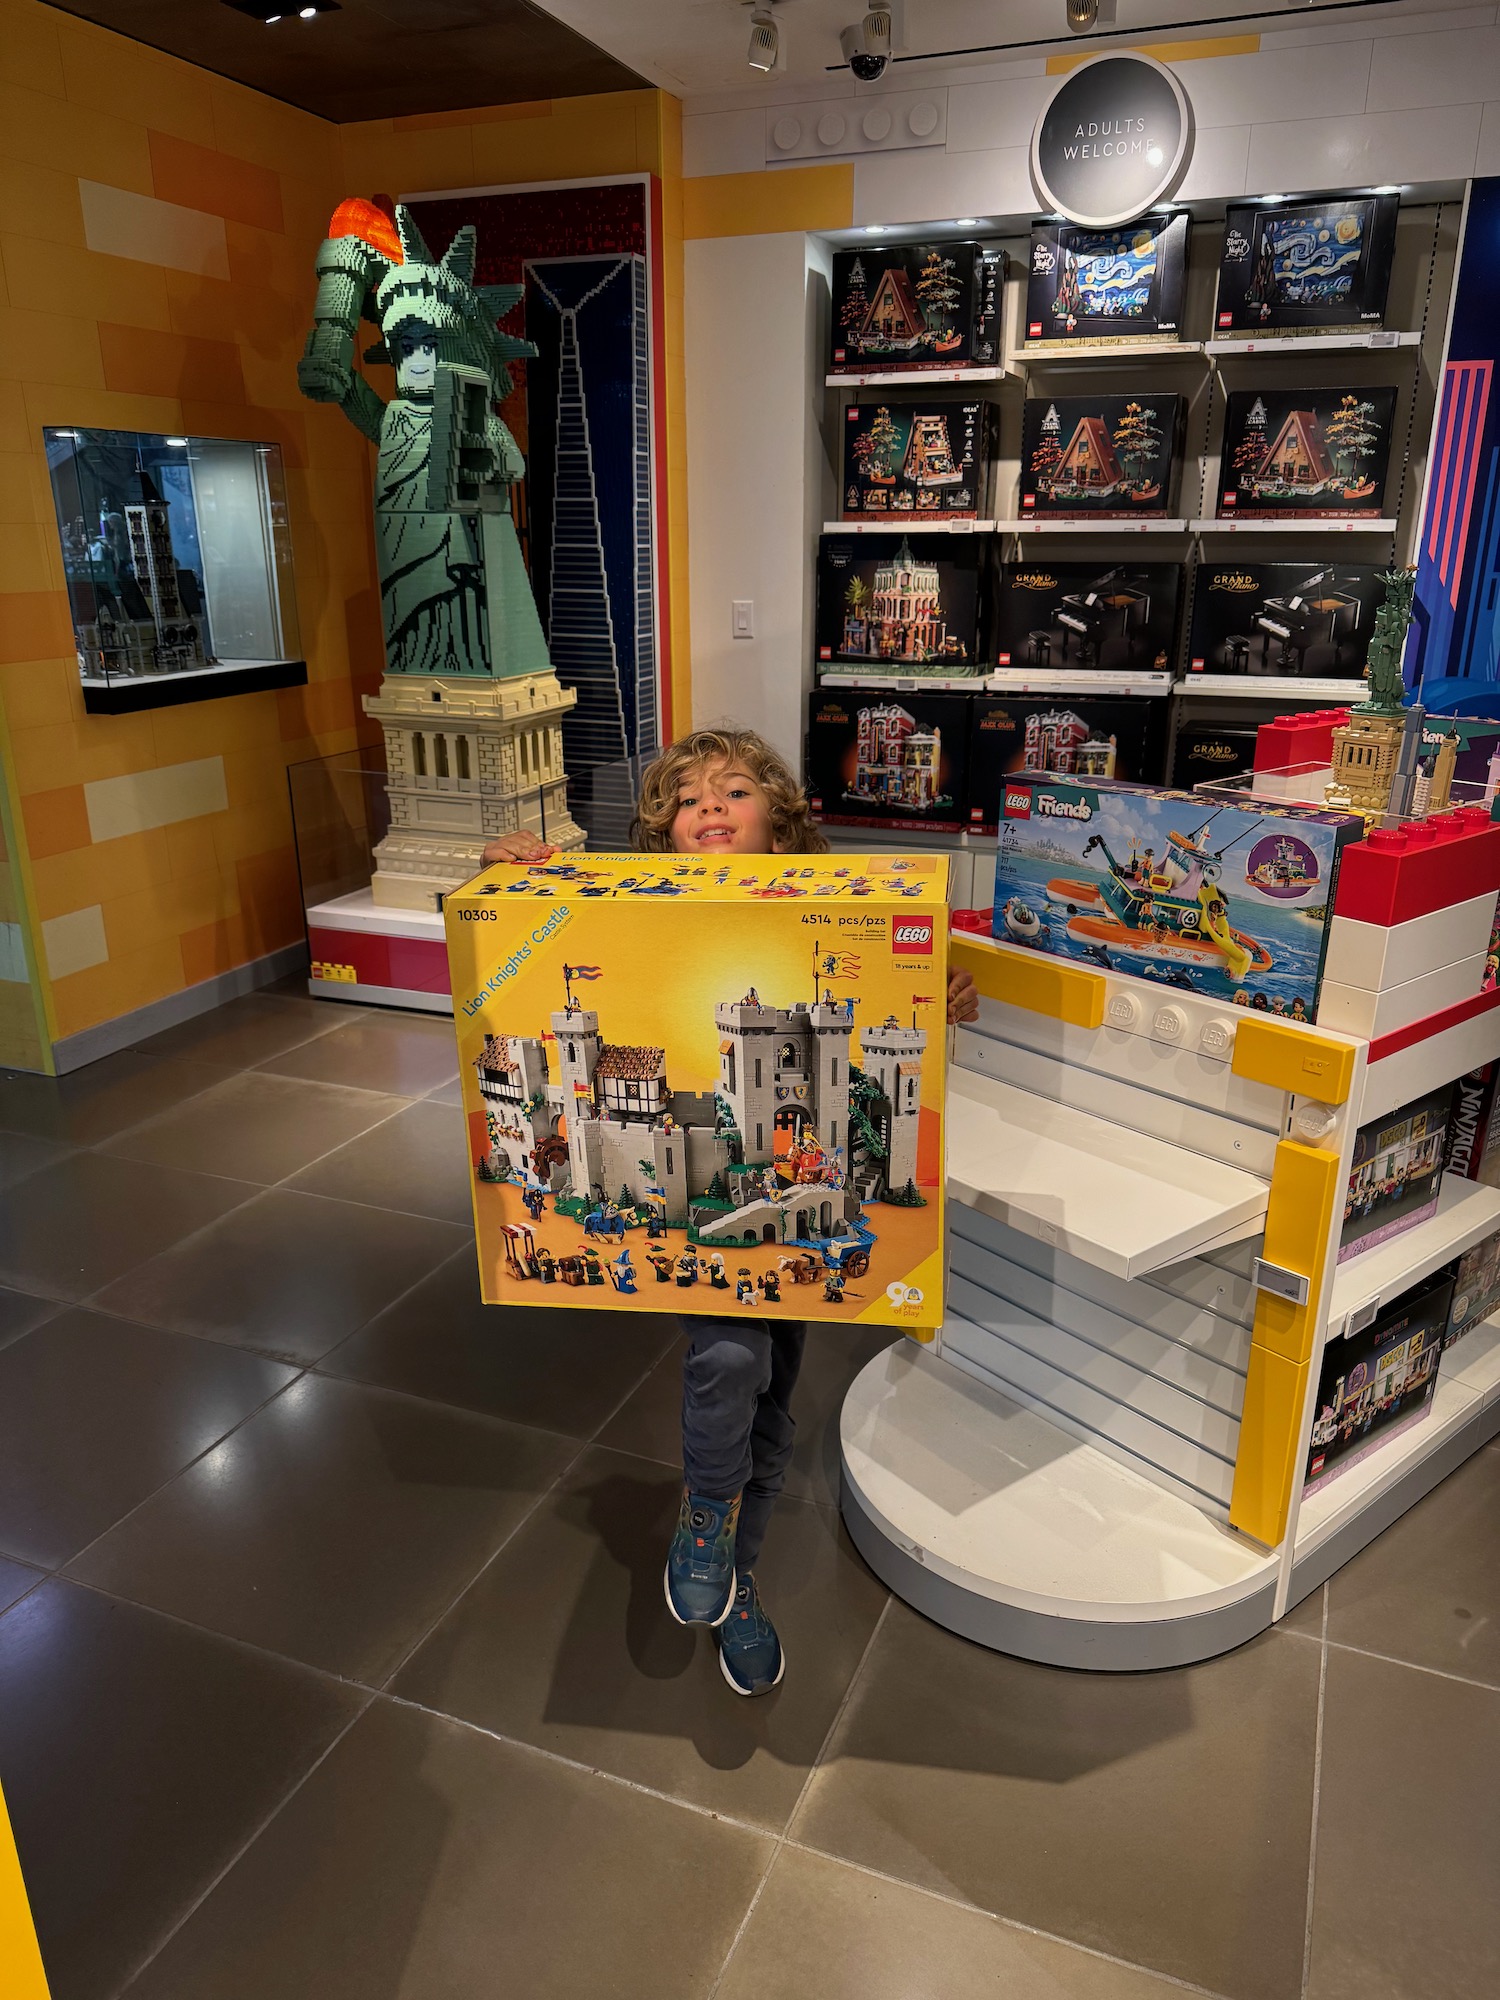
[470, 705]
[1376, 753]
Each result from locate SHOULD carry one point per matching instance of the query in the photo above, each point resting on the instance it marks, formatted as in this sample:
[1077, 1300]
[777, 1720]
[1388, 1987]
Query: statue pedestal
[467, 758]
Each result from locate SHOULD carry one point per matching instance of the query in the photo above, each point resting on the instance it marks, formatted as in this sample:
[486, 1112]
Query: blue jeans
[737, 1426]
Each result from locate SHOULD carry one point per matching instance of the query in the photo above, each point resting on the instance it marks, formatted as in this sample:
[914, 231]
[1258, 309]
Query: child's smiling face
[721, 809]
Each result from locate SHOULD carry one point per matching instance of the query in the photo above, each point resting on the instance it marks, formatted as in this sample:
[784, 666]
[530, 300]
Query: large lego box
[1396, 1172]
[1110, 456]
[912, 306]
[707, 1086]
[1378, 1382]
[1120, 618]
[1113, 287]
[888, 760]
[917, 461]
[1231, 901]
[899, 604]
[1082, 736]
[1312, 454]
[1309, 619]
[1306, 266]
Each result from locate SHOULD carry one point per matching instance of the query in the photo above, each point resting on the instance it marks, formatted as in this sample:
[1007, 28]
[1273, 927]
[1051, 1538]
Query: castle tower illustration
[784, 1069]
[892, 1059]
[512, 1071]
[469, 706]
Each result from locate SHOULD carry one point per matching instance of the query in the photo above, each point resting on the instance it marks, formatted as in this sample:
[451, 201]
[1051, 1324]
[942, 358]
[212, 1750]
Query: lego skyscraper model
[470, 705]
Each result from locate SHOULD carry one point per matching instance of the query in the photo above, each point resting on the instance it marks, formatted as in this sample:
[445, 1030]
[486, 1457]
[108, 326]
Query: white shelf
[917, 378]
[1309, 525]
[907, 683]
[1468, 1379]
[1105, 357]
[1124, 1201]
[1275, 687]
[908, 524]
[360, 912]
[1099, 524]
[1467, 1212]
[1378, 338]
[1062, 680]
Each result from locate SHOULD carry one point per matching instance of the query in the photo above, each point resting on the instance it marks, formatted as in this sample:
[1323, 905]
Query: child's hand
[521, 846]
[963, 997]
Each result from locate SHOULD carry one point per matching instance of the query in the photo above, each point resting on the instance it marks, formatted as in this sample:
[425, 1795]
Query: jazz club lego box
[888, 760]
[1076, 736]
[1231, 901]
[707, 1086]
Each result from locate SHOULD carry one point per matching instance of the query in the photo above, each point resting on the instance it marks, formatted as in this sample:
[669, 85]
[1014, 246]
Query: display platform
[392, 958]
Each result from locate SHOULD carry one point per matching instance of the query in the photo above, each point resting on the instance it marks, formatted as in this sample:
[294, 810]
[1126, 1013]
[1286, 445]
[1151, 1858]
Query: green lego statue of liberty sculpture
[469, 704]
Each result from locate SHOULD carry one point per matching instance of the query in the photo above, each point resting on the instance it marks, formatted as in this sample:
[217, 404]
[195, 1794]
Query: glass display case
[178, 562]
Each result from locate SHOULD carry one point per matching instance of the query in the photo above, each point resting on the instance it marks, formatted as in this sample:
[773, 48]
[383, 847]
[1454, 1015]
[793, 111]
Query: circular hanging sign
[1114, 139]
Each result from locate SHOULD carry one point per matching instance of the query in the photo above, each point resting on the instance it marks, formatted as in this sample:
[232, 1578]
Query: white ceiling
[696, 48]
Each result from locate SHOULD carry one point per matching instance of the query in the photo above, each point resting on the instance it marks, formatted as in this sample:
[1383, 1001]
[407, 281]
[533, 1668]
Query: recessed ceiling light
[307, 13]
[1386, 190]
[178, 444]
[272, 11]
[873, 229]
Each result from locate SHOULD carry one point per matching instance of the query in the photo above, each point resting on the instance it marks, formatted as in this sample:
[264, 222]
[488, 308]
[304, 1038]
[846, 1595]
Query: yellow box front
[707, 1086]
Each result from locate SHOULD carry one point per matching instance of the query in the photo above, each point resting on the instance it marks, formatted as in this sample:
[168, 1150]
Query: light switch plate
[742, 617]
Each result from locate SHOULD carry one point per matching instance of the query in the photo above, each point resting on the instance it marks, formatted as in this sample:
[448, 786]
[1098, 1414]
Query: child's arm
[520, 846]
[963, 997]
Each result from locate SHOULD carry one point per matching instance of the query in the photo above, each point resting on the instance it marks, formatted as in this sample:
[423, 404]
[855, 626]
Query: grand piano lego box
[917, 461]
[1310, 620]
[1082, 736]
[1116, 617]
[1106, 287]
[1231, 901]
[895, 760]
[1306, 266]
[914, 306]
[1110, 456]
[1315, 454]
[707, 1086]
[899, 604]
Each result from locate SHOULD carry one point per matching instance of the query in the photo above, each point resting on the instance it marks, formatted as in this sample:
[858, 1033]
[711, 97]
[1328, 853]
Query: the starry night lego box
[1106, 286]
[1378, 1382]
[906, 305]
[1305, 619]
[917, 461]
[1320, 454]
[877, 759]
[1082, 736]
[903, 605]
[707, 1084]
[1112, 456]
[1115, 617]
[1311, 265]
[1231, 901]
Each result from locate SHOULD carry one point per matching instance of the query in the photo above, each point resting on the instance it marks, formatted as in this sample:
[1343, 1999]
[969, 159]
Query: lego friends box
[707, 1087]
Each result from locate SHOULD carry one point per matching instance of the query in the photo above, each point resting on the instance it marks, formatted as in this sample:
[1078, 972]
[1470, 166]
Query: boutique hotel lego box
[899, 604]
[1231, 901]
[707, 1086]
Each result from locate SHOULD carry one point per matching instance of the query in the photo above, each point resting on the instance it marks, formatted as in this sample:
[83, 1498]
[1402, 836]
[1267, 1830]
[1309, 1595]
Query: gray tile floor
[333, 1662]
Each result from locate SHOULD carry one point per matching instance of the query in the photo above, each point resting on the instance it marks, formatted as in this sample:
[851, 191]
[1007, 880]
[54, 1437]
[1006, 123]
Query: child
[725, 791]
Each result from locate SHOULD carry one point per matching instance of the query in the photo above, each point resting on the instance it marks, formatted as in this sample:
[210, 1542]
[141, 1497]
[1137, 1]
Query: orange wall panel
[56, 822]
[35, 625]
[201, 177]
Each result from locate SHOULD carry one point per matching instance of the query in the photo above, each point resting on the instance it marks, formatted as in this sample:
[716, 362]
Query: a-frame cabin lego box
[707, 1086]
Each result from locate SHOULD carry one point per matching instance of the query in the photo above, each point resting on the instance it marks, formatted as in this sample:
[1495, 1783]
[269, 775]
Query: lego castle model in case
[1120, 618]
[1395, 1173]
[1378, 1382]
[898, 761]
[1114, 456]
[1301, 619]
[914, 306]
[706, 1085]
[1319, 453]
[1306, 265]
[1075, 736]
[1204, 755]
[1225, 900]
[1106, 287]
[906, 605]
[917, 461]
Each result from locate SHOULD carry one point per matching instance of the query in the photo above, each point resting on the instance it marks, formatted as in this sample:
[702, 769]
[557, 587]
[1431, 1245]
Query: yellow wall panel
[74, 941]
[51, 132]
[35, 693]
[200, 176]
[762, 204]
[30, 53]
[28, 561]
[108, 409]
[49, 347]
[15, 435]
[45, 757]
[117, 987]
[99, 874]
[40, 201]
[274, 135]
[40, 276]
[160, 913]
[105, 72]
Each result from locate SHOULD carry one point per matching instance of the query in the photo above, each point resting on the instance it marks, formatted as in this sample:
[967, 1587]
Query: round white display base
[993, 1522]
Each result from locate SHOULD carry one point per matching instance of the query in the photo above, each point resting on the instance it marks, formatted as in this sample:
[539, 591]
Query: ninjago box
[1231, 901]
[1306, 265]
[1111, 456]
[1079, 736]
[875, 759]
[913, 306]
[1318, 454]
[1111, 287]
[1289, 618]
[899, 604]
[917, 461]
[707, 1085]
[1117, 617]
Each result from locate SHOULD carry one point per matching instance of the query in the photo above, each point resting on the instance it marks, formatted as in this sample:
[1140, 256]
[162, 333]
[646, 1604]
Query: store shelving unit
[1313, 343]
[1095, 526]
[908, 524]
[921, 378]
[1212, 524]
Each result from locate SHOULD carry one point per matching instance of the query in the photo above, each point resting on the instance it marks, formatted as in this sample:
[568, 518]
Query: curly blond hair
[793, 828]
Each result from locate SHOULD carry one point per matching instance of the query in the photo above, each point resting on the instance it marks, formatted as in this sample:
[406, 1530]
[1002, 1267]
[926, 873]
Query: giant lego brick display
[1226, 900]
[470, 706]
[1111, 456]
[1118, 617]
[707, 1086]
[904, 605]
[1306, 266]
[912, 306]
[1114, 287]
[1321, 454]
[888, 760]
[917, 461]
[1312, 619]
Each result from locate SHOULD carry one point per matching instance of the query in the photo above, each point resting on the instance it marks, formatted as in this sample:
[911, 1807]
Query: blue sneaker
[699, 1578]
[750, 1655]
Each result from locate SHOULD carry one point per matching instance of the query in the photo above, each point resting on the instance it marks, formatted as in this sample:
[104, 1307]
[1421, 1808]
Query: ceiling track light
[765, 52]
[271, 11]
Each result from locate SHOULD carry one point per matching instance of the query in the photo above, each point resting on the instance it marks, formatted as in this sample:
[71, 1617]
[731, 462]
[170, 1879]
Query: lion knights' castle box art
[759, 1130]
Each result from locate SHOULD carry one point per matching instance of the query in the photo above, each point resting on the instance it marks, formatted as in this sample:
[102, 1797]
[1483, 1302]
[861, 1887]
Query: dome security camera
[867, 47]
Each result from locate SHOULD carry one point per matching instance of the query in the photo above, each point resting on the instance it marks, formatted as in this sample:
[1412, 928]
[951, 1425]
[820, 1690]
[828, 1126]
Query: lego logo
[913, 939]
[1018, 805]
